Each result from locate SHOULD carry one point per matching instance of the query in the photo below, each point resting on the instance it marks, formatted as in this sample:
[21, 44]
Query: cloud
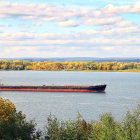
[123, 24]
[68, 23]
[117, 25]
[37, 24]
[98, 36]
[111, 34]
[62, 51]
[102, 21]
[107, 15]
[24, 26]
[5, 25]
[125, 31]
[30, 39]
[16, 51]
[49, 45]
[111, 10]
[43, 12]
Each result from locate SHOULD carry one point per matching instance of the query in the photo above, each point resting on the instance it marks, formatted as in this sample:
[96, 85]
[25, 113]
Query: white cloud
[125, 31]
[16, 51]
[44, 12]
[123, 24]
[68, 23]
[111, 10]
[48, 12]
[36, 23]
[113, 33]
[34, 40]
[62, 51]
[102, 21]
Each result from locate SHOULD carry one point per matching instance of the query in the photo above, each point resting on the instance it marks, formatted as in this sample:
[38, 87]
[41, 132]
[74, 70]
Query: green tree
[67, 130]
[104, 129]
[13, 124]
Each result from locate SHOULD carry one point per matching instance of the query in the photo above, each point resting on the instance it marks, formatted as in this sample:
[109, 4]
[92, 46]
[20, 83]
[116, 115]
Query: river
[122, 93]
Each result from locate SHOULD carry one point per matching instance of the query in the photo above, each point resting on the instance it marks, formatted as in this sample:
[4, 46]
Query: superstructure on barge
[47, 88]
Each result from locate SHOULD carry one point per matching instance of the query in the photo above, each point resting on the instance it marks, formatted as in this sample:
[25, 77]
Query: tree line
[68, 66]
[14, 126]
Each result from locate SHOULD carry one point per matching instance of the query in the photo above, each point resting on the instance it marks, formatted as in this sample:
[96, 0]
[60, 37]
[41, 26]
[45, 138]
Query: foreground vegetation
[69, 66]
[14, 126]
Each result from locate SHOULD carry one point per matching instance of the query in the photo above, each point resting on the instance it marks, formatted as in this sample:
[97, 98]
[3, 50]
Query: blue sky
[72, 28]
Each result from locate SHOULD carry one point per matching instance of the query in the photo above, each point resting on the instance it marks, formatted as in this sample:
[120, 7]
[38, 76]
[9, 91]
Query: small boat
[55, 88]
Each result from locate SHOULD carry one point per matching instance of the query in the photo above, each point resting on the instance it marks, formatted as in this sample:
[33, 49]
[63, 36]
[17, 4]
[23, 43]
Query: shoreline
[127, 71]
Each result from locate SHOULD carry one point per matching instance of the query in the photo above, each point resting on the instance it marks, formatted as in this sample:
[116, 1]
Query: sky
[69, 28]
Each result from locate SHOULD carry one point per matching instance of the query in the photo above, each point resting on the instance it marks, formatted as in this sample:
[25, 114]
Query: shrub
[77, 129]
[131, 125]
[13, 124]
[105, 128]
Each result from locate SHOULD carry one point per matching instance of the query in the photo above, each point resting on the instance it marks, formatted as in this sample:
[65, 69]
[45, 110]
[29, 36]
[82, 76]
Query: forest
[68, 66]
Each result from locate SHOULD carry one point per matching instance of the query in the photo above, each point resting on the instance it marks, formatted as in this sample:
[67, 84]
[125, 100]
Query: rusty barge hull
[65, 88]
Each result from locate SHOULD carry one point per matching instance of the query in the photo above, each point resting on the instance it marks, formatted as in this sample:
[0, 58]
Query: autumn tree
[67, 66]
[13, 124]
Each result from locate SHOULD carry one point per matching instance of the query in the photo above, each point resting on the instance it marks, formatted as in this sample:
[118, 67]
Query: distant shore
[89, 66]
[134, 71]
[131, 71]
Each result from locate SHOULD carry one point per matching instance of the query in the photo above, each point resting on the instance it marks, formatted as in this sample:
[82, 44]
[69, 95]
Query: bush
[77, 129]
[131, 125]
[13, 124]
[106, 128]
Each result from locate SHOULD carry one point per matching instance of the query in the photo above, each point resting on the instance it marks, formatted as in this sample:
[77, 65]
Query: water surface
[122, 93]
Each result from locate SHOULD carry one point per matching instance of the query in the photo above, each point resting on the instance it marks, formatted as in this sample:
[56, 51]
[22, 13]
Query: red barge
[47, 88]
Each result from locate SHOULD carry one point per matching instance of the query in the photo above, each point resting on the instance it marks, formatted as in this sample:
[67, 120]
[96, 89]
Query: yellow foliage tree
[13, 124]
[7, 109]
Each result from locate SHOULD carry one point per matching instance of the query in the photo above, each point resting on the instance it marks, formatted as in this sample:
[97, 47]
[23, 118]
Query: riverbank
[133, 71]
[70, 66]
